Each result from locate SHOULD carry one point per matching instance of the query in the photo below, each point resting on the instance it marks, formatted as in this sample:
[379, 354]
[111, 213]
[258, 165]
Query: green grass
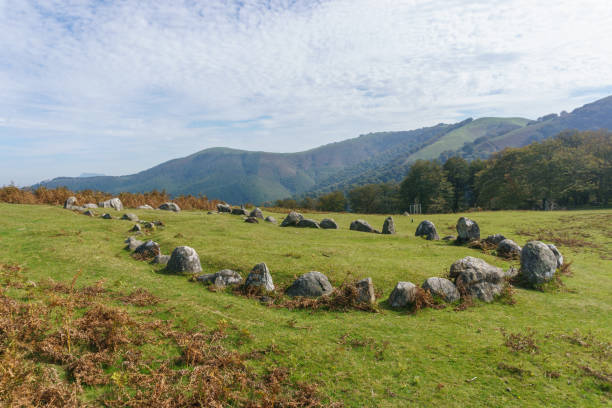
[454, 140]
[398, 359]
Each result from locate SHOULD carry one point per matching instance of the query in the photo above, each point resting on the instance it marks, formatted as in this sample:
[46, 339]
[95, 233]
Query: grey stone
[251, 220]
[307, 223]
[112, 203]
[158, 223]
[256, 213]
[148, 225]
[133, 243]
[70, 202]
[145, 207]
[403, 295]
[149, 249]
[467, 230]
[169, 206]
[361, 225]
[449, 238]
[240, 211]
[184, 259]
[107, 216]
[292, 219]
[494, 239]
[224, 208]
[442, 288]
[428, 230]
[365, 291]
[221, 279]
[311, 284]
[557, 254]
[271, 219]
[478, 278]
[130, 217]
[260, 277]
[90, 205]
[89, 213]
[388, 226]
[136, 228]
[507, 248]
[538, 263]
[328, 223]
[161, 259]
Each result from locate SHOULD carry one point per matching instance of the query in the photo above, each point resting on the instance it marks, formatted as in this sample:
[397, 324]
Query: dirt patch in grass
[520, 342]
[140, 297]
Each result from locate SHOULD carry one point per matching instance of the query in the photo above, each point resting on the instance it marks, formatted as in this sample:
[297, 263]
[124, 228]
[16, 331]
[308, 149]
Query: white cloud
[112, 87]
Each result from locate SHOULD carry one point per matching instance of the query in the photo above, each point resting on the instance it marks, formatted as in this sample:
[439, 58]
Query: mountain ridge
[240, 176]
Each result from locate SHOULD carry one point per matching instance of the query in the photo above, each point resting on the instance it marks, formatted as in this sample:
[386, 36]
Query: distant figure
[412, 220]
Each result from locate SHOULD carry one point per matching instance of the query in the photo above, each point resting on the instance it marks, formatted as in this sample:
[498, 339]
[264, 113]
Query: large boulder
[133, 243]
[467, 230]
[328, 223]
[270, 219]
[221, 279]
[169, 206]
[260, 278]
[478, 278]
[224, 208]
[494, 239]
[427, 229]
[292, 219]
[240, 211]
[403, 295]
[311, 284]
[388, 226]
[184, 259]
[256, 213]
[307, 223]
[538, 263]
[70, 202]
[507, 248]
[149, 249]
[442, 288]
[365, 291]
[112, 203]
[130, 217]
[361, 225]
[557, 255]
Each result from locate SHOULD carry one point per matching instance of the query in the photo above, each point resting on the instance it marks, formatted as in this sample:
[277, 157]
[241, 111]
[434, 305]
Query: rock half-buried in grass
[311, 284]
[442, 288]
[477, 278]
[259, 278]
[221, 279]
[538, 263]
[184, 259]
[403, 295]
[428, 230]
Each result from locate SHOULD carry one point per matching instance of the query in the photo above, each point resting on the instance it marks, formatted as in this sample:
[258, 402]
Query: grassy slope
[468, 133]
[429, 356]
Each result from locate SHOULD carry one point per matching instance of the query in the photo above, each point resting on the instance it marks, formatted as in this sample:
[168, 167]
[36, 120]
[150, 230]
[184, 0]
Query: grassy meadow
[387, 359]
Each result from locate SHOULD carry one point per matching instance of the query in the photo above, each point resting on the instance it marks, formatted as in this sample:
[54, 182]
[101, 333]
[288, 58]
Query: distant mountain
[239, 176]
[91, 175]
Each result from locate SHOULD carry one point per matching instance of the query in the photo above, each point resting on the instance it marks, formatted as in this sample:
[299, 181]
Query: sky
[116, 87]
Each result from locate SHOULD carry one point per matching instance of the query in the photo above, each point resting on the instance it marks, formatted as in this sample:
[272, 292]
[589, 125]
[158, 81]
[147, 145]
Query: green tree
[334, 201]
[426, 184]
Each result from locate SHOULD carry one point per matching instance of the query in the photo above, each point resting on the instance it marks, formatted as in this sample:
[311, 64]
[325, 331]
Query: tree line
[571, 170]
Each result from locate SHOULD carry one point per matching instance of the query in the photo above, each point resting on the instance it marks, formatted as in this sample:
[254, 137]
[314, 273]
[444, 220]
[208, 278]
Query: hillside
[545, 350]
[239, 176]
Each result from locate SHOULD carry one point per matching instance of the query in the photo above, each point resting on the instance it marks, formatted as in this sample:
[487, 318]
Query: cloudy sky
[115, 87]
